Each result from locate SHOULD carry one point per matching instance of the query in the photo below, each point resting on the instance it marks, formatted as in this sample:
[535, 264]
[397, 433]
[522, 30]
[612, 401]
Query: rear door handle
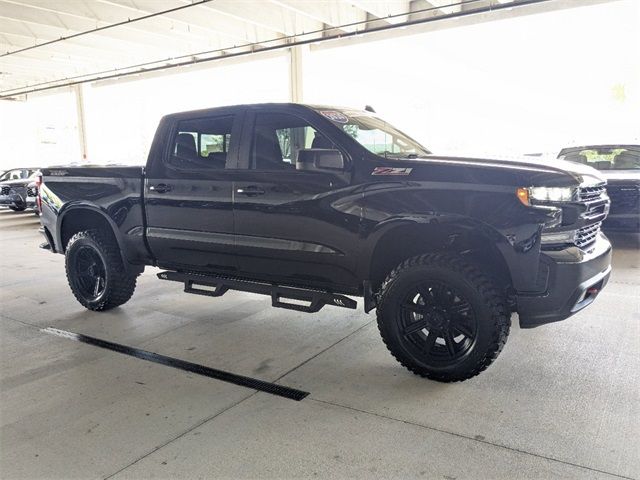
[250, 191]
[160, 188]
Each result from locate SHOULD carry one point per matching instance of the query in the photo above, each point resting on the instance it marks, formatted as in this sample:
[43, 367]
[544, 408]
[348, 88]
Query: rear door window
[202, 143]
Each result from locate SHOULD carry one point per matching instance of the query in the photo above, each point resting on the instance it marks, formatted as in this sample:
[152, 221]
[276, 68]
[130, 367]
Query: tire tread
[485, 287]
[123, 285]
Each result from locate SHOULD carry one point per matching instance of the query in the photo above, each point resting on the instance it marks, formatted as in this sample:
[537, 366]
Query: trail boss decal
[391, 171]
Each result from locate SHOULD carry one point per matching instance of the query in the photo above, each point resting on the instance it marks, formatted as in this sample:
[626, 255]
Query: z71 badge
[391, 171]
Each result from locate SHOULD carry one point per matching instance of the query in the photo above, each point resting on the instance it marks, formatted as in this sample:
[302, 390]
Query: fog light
[559, 237]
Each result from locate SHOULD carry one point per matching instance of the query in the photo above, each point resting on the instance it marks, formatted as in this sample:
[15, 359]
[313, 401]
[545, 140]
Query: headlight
[545, 194]
[551, 194]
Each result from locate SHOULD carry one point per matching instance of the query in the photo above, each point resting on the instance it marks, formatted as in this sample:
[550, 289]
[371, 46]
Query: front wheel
[96, 273]
[442, 318]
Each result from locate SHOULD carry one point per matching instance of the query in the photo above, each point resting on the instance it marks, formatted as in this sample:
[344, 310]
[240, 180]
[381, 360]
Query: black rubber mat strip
[253, 383]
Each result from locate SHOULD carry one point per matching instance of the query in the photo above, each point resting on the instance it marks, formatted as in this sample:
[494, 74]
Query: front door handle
[250, 191]
[160, 188]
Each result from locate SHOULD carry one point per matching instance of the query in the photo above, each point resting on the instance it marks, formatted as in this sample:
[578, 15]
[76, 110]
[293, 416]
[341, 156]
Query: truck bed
[113, 191]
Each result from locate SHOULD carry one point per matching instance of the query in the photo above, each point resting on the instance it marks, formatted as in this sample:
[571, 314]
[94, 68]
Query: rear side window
[202, 143]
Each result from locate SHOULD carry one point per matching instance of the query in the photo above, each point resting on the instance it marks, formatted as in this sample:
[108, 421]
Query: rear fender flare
[94, 209]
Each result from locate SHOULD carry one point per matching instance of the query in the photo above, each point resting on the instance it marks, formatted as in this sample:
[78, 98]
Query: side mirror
[320, 160]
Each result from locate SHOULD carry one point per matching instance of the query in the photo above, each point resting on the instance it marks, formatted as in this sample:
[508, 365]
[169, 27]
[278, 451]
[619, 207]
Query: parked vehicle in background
[620, 166]
[32, 197]
[14, 189]
[309, 204]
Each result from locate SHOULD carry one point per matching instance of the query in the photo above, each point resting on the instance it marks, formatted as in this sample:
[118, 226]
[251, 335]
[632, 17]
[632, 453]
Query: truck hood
[572, 172]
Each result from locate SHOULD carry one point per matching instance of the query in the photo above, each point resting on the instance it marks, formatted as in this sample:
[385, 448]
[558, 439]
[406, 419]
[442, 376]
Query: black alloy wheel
[89, 272]
[437, 322]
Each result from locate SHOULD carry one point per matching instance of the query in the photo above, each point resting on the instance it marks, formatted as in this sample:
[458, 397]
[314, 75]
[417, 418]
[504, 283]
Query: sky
[531, 84]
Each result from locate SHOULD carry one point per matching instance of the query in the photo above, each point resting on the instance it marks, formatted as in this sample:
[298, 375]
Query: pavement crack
[22, 322]
[322, 351]
[473, 439]
[177, 437]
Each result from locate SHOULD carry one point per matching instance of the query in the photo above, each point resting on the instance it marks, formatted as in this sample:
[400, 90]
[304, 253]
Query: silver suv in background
[18, 189]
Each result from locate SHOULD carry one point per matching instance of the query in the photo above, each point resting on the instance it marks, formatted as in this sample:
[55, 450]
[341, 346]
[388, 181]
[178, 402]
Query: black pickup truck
[313, 205]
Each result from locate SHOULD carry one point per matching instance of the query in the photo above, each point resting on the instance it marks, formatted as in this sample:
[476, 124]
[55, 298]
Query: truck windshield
[375, 134]
[17, 174]
[605, 158]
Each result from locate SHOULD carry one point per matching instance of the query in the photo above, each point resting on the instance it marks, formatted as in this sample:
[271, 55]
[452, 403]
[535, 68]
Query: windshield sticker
[334, 116]
[358, 113]
[391, 171]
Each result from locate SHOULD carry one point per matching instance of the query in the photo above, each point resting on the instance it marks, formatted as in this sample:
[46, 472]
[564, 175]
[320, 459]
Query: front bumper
[12, 200]
[32, 204]
[574, 278]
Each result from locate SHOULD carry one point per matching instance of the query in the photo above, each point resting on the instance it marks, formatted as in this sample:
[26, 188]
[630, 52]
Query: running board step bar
[216, 286]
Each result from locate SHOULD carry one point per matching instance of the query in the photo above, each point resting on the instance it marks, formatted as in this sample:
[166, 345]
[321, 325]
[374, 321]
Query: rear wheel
[442, 318]
[95, 272]
[17, 209]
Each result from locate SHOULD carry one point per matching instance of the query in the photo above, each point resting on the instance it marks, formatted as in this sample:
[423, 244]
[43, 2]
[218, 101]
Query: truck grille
[591, 193]
[32, 192]
[587, 214]
[587, 235]
[4, 190]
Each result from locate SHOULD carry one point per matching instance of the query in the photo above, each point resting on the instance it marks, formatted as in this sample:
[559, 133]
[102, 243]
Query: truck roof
[213, 110]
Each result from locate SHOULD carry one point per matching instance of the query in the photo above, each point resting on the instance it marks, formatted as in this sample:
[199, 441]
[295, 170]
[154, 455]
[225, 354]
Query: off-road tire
[119, 284]
[492, 317]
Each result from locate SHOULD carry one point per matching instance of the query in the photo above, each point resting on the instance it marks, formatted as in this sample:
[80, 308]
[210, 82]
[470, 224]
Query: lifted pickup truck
[313, 205]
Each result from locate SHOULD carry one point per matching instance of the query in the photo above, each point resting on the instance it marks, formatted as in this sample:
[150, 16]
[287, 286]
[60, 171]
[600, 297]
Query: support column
[82, 132]
[296, 55]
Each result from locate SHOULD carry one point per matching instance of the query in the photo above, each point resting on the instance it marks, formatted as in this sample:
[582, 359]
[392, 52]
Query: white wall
[529, 84]
[121, 119]
[40, 131]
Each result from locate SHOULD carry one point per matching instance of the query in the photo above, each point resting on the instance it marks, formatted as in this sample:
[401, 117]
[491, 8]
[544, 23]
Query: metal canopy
[48, 44]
